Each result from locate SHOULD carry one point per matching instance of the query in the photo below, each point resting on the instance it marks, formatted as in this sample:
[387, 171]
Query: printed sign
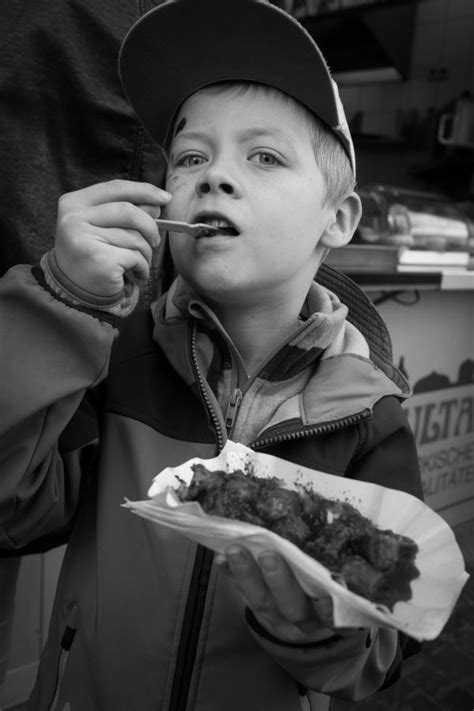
[441, 415]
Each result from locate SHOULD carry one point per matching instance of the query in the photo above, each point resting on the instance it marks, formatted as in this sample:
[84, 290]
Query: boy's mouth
[214, 219]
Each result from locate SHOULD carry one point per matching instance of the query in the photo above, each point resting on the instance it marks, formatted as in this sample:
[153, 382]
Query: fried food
[377, 564]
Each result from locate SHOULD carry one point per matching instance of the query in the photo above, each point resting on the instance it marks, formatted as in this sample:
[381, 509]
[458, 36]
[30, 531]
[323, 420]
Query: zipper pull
[233, 409]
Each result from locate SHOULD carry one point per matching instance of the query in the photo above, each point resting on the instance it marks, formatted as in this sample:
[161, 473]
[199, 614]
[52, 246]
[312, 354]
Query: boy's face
[246, 159]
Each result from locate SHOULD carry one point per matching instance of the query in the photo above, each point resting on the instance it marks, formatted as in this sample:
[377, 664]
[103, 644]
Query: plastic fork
[195, 229]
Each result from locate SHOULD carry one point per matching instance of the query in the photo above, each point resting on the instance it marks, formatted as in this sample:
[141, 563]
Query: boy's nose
[215, 180]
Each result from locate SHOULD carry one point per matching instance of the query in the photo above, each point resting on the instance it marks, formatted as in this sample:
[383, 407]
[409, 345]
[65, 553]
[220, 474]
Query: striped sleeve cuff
[121, 305]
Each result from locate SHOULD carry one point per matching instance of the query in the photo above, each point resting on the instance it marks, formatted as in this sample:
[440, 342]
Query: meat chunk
[377, 564]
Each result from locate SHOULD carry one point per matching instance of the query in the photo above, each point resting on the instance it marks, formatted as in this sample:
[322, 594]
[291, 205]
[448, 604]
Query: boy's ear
[342, 222]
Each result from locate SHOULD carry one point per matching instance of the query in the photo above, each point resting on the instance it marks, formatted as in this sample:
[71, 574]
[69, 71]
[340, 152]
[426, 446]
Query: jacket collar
[323, 328]
[324, 338]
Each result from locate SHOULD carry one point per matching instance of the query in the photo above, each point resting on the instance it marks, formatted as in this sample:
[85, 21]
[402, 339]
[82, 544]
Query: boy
[244, 345]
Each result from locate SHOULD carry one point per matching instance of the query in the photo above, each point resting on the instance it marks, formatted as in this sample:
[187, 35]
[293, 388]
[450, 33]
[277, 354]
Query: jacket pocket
[72, 625]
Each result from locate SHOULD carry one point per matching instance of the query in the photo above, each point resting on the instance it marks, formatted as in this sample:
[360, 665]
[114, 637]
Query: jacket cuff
[346, 666]
[61, 285]
[326, 636]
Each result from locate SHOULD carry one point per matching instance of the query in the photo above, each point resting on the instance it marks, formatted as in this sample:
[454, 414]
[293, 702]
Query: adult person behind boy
[245, 345]
[64, 123]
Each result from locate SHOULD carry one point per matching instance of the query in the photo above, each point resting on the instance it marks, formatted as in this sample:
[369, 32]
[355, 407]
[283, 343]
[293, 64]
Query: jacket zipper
[204, 395]
[66, 643]
[203, 561]
[301, 432]
[191, 628]
[199, 579]
[233, 410]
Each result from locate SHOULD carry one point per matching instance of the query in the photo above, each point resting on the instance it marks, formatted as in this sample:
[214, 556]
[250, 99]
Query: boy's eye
[190, 160]
[265, 158]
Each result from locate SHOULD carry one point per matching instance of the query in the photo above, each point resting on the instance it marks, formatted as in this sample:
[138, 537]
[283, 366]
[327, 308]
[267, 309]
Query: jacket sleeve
[355, 666]
[387, 453]
[351, 666]
[50, 355]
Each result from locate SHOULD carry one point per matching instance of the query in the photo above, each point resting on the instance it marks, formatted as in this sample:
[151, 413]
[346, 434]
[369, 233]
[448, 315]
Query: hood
[323, 332]
[322, 373]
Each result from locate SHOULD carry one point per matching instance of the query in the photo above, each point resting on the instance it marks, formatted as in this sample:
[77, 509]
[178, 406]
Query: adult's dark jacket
[64, 120]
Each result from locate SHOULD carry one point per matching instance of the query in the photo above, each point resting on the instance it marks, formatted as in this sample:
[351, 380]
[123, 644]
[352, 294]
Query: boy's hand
[275, 597]
[106, 233]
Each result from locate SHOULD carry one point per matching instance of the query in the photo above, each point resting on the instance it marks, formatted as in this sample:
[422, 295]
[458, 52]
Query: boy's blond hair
[330, 156]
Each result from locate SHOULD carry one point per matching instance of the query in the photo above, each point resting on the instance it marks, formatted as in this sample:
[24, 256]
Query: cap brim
[182, 46]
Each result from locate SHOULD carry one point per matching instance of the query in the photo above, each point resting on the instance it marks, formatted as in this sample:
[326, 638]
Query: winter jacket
[93, 408]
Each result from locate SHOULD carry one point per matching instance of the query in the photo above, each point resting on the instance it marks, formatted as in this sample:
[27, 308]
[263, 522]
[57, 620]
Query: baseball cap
[181, 46]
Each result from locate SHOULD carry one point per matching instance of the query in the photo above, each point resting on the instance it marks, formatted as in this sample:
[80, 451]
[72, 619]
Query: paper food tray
[439, 559]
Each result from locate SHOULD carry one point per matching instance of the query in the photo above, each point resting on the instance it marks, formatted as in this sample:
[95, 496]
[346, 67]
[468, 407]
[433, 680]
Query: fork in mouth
[197, 229]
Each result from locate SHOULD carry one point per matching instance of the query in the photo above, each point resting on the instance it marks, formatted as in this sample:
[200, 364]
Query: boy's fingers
[126, 216]
[118, 190]
[155, 211]
[323, 606]
[271, 583]
[248, 578]
[132, 262]
[127, 239]
[289, 597]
